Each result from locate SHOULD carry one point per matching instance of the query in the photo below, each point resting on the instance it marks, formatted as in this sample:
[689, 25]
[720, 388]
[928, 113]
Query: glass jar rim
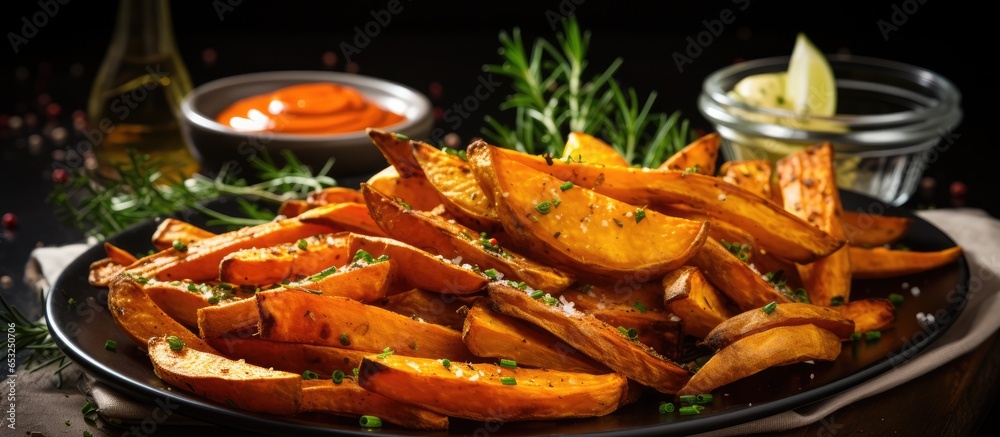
[939, 110]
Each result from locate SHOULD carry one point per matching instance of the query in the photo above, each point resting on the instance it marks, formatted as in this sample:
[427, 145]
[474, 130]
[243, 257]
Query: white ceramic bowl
[215, 144]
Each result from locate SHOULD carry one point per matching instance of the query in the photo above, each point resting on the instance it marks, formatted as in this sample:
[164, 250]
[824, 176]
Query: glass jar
[893, 119]
[135, 99]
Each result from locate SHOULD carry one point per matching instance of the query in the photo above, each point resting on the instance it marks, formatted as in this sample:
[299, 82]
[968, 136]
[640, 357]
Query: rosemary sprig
[101, 206]
[34, 336]
[551, 97]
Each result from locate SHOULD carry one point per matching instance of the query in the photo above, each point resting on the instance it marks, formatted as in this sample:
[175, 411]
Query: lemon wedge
[810, 87]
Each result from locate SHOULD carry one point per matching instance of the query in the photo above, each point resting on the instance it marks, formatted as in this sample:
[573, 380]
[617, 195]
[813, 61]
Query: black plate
[81, 332]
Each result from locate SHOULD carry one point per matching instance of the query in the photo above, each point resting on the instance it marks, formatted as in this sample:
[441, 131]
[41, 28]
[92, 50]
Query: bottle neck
[143, 29]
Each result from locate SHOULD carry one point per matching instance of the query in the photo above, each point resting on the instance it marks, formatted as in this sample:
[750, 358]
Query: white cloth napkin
[972, 229]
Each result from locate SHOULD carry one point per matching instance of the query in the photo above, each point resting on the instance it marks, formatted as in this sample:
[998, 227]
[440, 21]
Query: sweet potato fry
[415, 191]
[271, 265]
[360, 281]
[419, 269]
[182, 300]
[225, 381]
[332, 195]
[717, 229]
[452, 240]
[777, 230]
[140, 319]
[885, 263]
[699, 156]
[810, 192]
[552, 224]
[118, 255]
[396, 149]
[333, 321]
[199, 261]
[103, 271]
[353, 217]
[655, 327]
[626, 292]
[742, 285]
[600, 341]
[753, 176]
[171, 230]
[461, 195]
[491, 334]
[582, 147]
[290, 357]
[692, 298]
[868, 314]
[532, 394]
[436, 308]
[778, 346]
[751, 322]
[870, 230]
[217, 320]
[348, 399]
[293, 208]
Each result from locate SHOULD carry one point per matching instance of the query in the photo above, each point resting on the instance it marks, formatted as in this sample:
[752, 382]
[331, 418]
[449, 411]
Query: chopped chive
[302, 244]
[309, 374]
[175, 343]
[405, 205]
[556, 202]
[703, 399]
[386, 352]
[490, 273]
[401, 137]
[111, 345]
[837, 301]
[544, 207]
[338, 376]
[666, 407]
[549, 299]
[856, 336]
[769, 308]
[508, 380]
[896, 299]
[446, 363]
[586, 288]
[640, 213]
[631, 333]
[873, 335]
[142, 280]
[326, 272]
[566, 185]
[370, 422]
[521, 285]
[510, 364]
[689, 411]
[537, 294]
[179, 245]
[225, 286]
[344, 340]
[687, 399]
[71, 301]
[87, 434]
[355, 371]
[213, 300]
[192, 287]
[640, 306]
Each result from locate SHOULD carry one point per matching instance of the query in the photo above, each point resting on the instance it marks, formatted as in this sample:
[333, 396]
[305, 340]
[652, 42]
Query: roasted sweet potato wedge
[461, 195]
[810, 191]
[348, 399]
[436, 308]
[485, 392]
[293, 207]
[420, 269]
[299, 317]
[699, 156]
[331, 195]
[140, 319]
[415, 191]
[290, 357]
[245, 386]
[777, 230]
[271, 265]
[171, 230]
[625, 292]
[452, 240]
[754, 175]
[581, 230]
[240, 315]
[352, 217]
[655, 327]
[871, 230]
[778, 346]
[886, 263]
[582, 147]
[103, 271]
[717, 229]
[182, 300]
[396, 149]
[199, 261]
[602, 342]
[868, 314]
[491, 334]
[118, 255]
[751, 322]
[360, 281]
[692, 298]
[746, 288]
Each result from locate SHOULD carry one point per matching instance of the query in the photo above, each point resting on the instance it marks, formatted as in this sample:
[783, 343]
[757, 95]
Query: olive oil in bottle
[135, 99]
